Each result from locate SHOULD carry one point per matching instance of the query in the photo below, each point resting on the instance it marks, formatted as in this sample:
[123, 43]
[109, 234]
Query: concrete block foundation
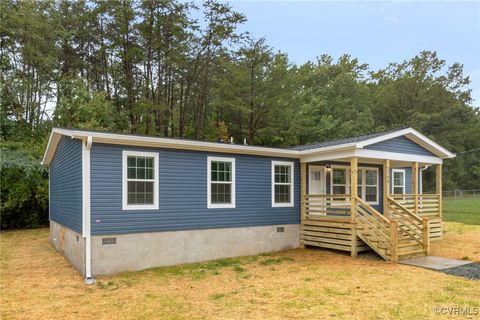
[129, 252]
[70, 244]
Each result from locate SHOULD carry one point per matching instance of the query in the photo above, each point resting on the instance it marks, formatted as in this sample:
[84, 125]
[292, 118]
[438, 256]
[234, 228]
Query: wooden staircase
[403, 235]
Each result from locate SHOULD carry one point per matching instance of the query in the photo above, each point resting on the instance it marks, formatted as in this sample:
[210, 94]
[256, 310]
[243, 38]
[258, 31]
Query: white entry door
[316, 180]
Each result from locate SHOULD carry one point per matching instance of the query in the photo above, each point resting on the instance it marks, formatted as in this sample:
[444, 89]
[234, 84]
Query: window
[398, 181]
[221, 182]
[371, 185]
[367, 180]
[339, 181]
[140, 180]
[282, 184]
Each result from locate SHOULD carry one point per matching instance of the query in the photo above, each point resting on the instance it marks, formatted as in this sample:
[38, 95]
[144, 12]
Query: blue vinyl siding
[66, 184]
[183, 193]
[400, 145]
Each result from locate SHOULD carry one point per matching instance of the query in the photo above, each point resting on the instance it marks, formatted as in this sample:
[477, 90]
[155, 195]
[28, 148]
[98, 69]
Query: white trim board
[125, 205]
[292, 168]
[392, 184]
[232, 203]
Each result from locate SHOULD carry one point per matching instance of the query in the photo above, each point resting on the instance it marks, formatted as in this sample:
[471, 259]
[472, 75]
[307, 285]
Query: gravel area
[470, 271]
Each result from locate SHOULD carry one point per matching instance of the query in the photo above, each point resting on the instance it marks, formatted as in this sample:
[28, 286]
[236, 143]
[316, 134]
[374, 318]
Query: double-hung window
[282, 184]
[371, 185]
[368, 184]
[339, 181]
[140, 180]
[398, 184]
[221, 182]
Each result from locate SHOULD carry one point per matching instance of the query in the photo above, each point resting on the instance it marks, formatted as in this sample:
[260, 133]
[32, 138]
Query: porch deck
[346, 222]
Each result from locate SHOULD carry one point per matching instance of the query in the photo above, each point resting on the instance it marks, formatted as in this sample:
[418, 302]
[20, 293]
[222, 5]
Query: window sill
[140, 207]
[221, 206]
[282, 205]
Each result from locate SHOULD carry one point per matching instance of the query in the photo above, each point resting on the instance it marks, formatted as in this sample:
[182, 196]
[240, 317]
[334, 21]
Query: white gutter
[86, 146]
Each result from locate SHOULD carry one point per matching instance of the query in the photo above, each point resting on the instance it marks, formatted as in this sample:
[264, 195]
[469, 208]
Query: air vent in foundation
[280, 229]
[106, 241]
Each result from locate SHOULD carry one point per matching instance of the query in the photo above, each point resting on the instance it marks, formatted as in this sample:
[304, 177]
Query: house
[123, 202]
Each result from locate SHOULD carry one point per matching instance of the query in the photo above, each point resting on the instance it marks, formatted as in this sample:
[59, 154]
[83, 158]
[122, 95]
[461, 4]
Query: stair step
[405, 253]
[410, 244]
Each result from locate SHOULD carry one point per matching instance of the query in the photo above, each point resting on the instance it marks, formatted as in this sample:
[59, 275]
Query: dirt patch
[459, 242]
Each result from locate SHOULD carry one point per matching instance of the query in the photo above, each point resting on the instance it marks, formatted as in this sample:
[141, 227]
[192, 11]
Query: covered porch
[357, 199]
[343, 198]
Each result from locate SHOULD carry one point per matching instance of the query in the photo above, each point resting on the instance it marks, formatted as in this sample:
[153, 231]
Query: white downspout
[86, 210]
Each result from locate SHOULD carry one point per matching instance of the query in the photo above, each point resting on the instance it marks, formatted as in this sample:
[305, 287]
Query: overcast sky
[375, 32]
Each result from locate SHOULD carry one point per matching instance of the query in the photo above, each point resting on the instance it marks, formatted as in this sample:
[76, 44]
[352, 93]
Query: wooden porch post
[438, 187]
[415, 186]
[393, 239]
[386, 187]
[303, 192]
[353, 199]
[426, 235]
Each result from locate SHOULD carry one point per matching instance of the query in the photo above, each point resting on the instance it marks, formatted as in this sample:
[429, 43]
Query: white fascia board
[370, 154]
[373, 154]
[112, 138]
[338, 147]
[332, 155]
[53, 141]
[413, 135]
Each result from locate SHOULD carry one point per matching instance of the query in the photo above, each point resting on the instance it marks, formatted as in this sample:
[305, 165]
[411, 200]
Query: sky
[375, 32]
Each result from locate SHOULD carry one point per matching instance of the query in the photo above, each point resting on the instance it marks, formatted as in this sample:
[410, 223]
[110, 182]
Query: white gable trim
[410, 133]
[413, 135]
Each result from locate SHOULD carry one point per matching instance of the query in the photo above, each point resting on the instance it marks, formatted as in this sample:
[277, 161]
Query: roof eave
[161, 142]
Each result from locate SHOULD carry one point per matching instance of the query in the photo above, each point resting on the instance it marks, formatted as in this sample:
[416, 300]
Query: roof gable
[400, 144]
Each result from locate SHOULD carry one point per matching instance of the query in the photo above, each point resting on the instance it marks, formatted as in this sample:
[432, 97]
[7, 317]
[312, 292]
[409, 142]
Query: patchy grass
[38, 283]
[461, 228]
[462, 211]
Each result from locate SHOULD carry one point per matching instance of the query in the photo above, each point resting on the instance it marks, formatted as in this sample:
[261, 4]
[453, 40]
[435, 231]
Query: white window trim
[125, 205]
[211, 205]
[363, 185]
[347, 178]
[324, 177]
[404, 180]
[292, 167]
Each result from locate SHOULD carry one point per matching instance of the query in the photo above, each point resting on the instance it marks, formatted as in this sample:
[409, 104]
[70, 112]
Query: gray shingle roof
[342, 141]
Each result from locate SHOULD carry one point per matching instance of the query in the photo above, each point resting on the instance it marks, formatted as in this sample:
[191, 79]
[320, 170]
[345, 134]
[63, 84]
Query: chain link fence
[473, 194]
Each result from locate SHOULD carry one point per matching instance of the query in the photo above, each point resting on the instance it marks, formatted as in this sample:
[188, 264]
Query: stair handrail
[372, 210]
[375, 221]
[414, 231]
[405, 210]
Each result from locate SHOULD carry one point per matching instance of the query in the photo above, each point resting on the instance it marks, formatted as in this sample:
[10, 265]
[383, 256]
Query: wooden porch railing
[416, 227]
[424, 205]
[327, 206]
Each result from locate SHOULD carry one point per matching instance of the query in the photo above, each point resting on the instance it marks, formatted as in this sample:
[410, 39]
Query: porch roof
[359, 147]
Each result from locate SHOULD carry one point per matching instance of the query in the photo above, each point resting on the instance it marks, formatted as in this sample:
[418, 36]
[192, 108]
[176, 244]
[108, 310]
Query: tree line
[183, 69]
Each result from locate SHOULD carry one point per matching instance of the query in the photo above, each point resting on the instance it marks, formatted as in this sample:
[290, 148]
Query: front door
[316, 181]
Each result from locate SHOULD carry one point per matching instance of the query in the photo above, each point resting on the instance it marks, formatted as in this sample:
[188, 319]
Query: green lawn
[462, 211]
